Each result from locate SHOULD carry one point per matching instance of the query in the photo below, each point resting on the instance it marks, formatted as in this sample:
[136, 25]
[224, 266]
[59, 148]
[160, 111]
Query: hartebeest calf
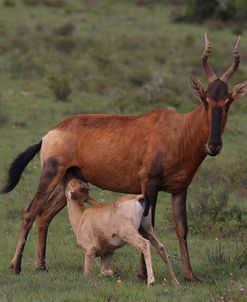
[100, 230]
[156, 151]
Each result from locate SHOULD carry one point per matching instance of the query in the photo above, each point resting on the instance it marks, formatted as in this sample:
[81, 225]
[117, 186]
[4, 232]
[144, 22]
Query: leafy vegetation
[123, 57]
[60, 86]
[228, 10]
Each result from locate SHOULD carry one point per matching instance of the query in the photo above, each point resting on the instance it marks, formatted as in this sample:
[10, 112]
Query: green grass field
[123, 58]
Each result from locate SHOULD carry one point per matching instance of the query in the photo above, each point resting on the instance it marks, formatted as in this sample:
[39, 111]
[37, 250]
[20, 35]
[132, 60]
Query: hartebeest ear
[197, 88]
[238, 91]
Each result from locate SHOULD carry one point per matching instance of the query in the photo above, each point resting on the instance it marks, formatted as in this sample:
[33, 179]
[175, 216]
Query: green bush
[9, 3]
[200, 10]
[54, 3]
[60, 86]
[65, 29]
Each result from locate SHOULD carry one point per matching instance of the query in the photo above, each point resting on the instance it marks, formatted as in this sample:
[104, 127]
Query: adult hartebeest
[156, 151]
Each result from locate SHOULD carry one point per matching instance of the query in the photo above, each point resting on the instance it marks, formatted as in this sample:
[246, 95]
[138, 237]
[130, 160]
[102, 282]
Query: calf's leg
[90, 255]
[143, 245]
[147, 231]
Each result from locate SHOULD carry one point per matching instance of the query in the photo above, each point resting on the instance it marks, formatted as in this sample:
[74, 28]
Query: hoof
[107, 272]
[192, 278]
[41, 267]
[16, 269]
[151, 282]
[175, 283]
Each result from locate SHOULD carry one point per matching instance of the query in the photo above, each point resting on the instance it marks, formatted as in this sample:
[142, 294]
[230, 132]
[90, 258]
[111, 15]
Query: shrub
[218, 256]
[32, 2]
[60, 86]
[200, 10]
[65, 45]
[64, 30]
[53, 3]
[160, 90]
[9, 3]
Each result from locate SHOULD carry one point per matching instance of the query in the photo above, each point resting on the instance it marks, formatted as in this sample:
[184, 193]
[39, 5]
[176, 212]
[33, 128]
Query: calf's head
[77, 190]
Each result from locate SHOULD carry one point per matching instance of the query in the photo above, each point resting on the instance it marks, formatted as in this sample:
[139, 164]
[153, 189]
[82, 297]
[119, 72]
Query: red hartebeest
[156, 151]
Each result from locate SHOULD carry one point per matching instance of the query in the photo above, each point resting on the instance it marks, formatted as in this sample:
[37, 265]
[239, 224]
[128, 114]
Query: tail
[18, 165]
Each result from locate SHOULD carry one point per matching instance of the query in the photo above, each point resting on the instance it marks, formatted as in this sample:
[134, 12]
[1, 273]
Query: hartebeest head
[216, 98]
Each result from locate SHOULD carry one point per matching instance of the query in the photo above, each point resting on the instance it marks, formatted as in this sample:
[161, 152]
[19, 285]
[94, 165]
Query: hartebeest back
[156, 151]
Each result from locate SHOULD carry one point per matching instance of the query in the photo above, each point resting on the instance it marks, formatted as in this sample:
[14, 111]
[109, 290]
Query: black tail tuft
[18, 166]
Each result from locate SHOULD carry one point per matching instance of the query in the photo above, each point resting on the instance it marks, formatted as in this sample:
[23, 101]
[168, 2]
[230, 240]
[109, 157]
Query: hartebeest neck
[75, 210]
[194, 135]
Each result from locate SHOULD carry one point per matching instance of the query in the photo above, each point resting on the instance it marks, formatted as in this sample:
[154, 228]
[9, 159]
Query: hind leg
[49, 210]
[28, 219]
[143, 245]
[50, 177]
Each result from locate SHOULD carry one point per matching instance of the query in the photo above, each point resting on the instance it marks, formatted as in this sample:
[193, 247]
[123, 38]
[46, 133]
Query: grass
[125, 58]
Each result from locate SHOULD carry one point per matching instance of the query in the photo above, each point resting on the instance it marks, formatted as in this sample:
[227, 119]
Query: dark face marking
[217, 100]
[217, 90]
[215, 141]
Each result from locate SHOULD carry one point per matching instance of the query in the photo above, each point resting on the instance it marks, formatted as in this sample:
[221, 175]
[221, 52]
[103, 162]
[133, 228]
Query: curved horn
[236, 60]
[208, 70]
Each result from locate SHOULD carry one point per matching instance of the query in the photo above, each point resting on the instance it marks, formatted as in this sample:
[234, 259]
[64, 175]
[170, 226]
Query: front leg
[180, 218]
[146, 229]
